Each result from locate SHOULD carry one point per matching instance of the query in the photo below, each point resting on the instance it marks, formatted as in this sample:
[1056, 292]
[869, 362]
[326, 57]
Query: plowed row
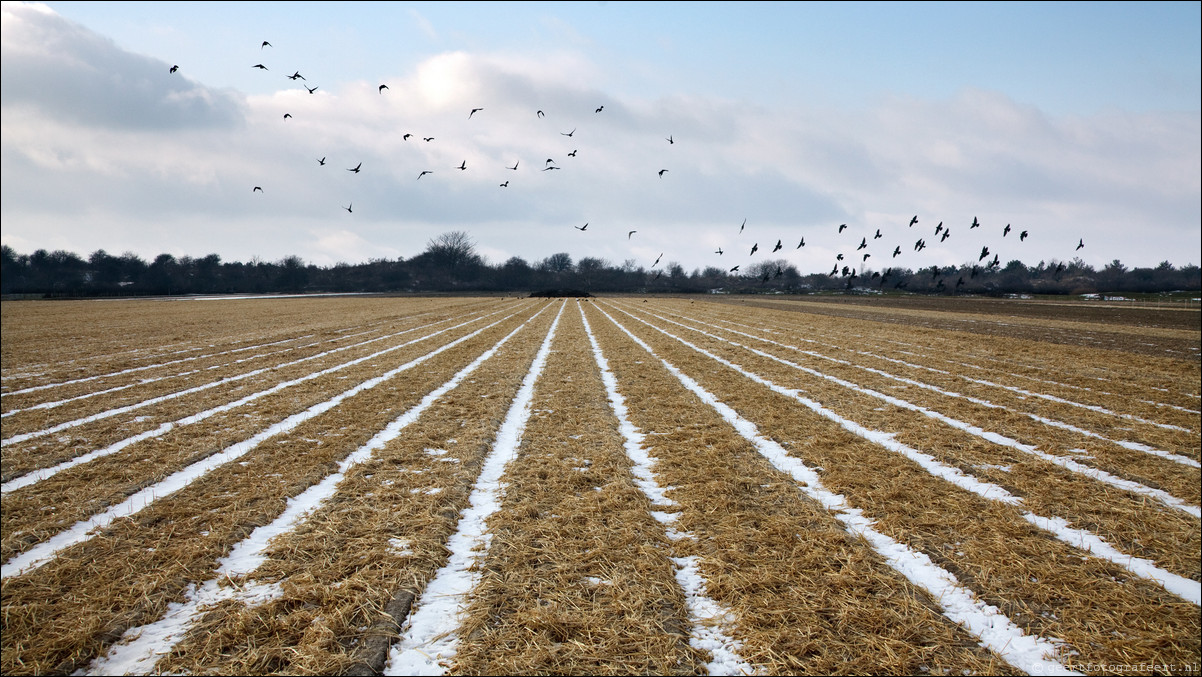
[602, 486]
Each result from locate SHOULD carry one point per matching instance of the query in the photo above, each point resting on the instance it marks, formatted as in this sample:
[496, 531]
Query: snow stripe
[85, 529]
[430, 637]
[996, 631]
[140, 648]
[710, 619]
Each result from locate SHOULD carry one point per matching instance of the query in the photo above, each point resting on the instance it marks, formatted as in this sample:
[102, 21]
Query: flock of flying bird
[840, 268]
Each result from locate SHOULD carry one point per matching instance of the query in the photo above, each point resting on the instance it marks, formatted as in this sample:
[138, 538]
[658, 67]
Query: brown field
[779, 459]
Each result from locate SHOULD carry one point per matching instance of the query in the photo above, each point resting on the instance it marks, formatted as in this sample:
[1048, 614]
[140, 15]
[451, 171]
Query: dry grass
[578, 578]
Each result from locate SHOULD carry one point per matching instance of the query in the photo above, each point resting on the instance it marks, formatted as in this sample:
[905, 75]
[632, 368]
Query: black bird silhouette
[995, 262]
[174, 68]
[462, 165]
[896, 251]
[661, 173]
[572, 154]
[661, 255]
[256, 188]
[865, 258]
[913, 220]
[1006, 230]
[946, 234]
[265, 44]
[311, 89]
[878, 234]
[670, 141]
[322, 162]
[938, 227]
[540, 114]
[568, 133]
[1022, 236]
[777, 247]
[355, 169]
[551, 167]
[842, 227]
[733, 270]
[984, 253]
[382, 88]
[628, 234]
[419, 176]
[296, 75]
[427, 138]
[975, 223]
[835, 270]
[515, 166]
[505, 185]
[348, 208]
[474, 111]
[863, 243]
[838, 257]
[754, 247]
[801, 244]
[287, 115]
[960, 281]
[743, 226]
[1080, 244]
[578, 227]
[920, 245]
[599, 109]
[719, 251]
[259, 66]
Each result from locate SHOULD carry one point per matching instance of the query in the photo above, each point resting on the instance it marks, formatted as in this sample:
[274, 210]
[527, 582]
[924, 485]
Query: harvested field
[598, 486]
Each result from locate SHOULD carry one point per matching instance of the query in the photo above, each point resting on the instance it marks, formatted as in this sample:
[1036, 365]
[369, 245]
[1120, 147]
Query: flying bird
[572, 154]
[541, 114]
[265, 44]
[984, 253]
[628, 234]
[863, 243]
[865, 257]
[661, 173]
[1006, 230]
[975, 223]
[719, 251]
[348, 208]
[311, 89]
[259, 66]
[568, 133]
[842, 227]
[754, 247]
[938, 227]
[599, 109]
[733, 270]
[1080, 244]
[838, 257]
[419, 176]
[743, 226]
[946, 234]
[474, 111]
[514, 167]
[174, 68]
[505, 185]
[896, 251]
[355, 169]
[382, 88]
[580, 228]
[670, 141]
[913, 220]
[287, 115]
[661, 255]
[427, 138]
[1022, 236]
[920, 245]
[463, 165]
[801, 244]
[322, 162]
[551, 167]
[777, 247]
[296, 75]
[256, 188]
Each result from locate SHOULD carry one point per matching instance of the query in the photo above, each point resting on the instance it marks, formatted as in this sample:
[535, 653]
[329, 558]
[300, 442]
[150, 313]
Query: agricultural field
[625, 485]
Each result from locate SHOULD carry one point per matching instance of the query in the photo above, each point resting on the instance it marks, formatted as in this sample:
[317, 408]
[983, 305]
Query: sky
[1080, 123]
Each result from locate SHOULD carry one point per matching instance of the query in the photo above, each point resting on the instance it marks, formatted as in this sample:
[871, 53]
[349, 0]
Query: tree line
[450, 263]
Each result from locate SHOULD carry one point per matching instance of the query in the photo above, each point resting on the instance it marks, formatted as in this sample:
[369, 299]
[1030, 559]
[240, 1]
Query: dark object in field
[560, 293]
